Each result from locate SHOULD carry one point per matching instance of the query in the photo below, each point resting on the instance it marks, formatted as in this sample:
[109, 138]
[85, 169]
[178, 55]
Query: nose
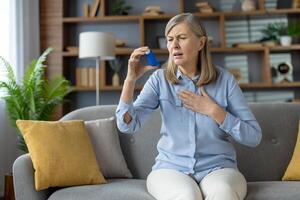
[175, 44]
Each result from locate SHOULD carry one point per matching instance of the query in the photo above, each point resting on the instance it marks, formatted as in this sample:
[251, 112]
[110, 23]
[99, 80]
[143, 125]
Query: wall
[25, 22]
[8, 143]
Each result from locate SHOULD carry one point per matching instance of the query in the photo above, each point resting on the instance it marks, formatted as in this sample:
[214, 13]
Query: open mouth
[176, 55]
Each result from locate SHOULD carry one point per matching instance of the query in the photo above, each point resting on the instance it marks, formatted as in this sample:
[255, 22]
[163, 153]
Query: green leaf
[36, 97]
[10, 74]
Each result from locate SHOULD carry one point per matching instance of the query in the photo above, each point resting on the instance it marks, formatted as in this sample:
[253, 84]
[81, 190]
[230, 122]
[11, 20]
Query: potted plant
[270, 34]
[287, 32]
[284, 37]
[120, 8]
[294, 30]
[281, 32]
[35, 97]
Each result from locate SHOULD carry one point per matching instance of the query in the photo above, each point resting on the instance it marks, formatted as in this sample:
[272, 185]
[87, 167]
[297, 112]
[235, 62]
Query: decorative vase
[116, 79]
[285, 40]
[248, 5]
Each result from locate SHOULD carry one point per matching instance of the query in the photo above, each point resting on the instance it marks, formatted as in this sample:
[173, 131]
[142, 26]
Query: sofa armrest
[23, 176]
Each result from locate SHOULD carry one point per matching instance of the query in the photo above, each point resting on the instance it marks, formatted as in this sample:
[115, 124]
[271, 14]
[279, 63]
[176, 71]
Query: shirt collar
[180, 75]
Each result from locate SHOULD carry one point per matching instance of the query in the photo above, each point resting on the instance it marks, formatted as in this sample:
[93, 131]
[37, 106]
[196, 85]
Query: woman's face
[183, 45]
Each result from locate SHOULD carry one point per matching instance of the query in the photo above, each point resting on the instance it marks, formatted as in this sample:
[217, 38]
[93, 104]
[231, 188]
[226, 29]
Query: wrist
[218, 114]
[129, 80]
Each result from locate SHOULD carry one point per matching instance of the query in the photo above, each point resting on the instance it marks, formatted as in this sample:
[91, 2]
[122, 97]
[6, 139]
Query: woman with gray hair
[202, 106]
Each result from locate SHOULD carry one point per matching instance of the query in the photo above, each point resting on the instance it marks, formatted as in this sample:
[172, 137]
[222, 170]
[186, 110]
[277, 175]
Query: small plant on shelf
[294, 30]
[270, 33]
[281, 32]
[120, 8]
[115, 65]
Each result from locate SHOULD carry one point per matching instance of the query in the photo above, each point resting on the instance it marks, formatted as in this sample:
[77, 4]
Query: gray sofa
[262, 166]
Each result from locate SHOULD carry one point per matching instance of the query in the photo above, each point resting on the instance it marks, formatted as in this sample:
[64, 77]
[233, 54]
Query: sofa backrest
[267, 162]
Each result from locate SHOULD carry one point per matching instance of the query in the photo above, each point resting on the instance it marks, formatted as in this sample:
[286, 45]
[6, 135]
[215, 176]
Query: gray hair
[192, 21]
[208, 72]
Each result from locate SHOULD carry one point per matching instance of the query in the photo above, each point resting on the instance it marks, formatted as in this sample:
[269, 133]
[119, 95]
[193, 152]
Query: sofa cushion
[61, 153]
[106, 144]
[273, 190]
[116, 189]
[293, 170]
[135, 189]
[279, 123]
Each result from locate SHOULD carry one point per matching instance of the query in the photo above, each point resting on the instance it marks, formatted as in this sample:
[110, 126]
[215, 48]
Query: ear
[202, 42]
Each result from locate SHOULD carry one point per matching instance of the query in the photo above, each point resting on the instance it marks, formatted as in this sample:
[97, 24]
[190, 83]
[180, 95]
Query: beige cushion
[106, 144]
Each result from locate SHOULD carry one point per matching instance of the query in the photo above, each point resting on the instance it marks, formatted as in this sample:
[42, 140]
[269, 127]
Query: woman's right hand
[135, 68]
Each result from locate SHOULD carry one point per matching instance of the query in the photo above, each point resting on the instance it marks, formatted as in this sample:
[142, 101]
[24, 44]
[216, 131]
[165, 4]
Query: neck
[189, 72]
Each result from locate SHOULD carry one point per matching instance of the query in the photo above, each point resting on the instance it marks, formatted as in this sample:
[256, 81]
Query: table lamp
[99, 46]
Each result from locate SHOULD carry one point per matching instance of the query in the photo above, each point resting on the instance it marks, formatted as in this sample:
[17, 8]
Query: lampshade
[97, 44]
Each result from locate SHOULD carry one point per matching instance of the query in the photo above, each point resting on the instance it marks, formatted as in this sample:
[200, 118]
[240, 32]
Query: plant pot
[285, 40]
[116, 79]
[9, 187]
[269, 43]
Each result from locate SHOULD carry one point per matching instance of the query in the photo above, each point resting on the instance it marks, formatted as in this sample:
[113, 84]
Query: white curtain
[23, 45]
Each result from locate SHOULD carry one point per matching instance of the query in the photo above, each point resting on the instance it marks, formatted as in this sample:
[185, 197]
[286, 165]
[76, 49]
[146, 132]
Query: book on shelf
[85, 77]
[78, 77]
[94, 8]
[92, 77]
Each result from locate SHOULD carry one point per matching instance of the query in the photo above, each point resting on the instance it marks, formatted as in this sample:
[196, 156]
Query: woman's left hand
[203, 104]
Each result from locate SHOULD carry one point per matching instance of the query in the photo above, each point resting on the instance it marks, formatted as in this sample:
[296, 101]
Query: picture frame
[162, 42]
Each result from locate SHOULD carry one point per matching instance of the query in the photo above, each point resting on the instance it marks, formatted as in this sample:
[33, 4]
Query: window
[6, 35]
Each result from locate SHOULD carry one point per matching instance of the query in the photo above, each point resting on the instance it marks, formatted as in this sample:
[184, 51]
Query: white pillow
[105, 140]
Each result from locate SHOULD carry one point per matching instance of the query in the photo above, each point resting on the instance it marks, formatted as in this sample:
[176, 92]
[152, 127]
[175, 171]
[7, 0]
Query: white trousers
[222, 184]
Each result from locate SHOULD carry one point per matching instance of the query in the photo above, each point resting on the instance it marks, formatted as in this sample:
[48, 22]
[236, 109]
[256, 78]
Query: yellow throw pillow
[292, 172]
[61, 153]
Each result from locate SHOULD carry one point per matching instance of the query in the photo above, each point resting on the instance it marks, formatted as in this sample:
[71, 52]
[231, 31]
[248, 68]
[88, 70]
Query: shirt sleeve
[239, 122]
[146, 102]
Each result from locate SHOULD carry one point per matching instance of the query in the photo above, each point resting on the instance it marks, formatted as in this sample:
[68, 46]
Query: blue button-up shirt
[191, 142]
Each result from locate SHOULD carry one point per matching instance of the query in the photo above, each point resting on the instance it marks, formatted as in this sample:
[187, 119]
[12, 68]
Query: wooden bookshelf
[57, 26]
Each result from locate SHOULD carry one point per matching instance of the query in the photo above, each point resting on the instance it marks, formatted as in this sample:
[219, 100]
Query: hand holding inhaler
[151, 59]
[135, 68]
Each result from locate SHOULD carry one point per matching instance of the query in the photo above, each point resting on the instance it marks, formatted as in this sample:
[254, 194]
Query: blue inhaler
[151, 59]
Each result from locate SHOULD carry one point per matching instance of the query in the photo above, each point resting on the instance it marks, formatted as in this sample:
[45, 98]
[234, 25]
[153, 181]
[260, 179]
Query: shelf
[285, 48]
[235, 49]
[291, 85]
[101, 19]
[261, 12]
[160, 51]
[244, 13]
[158, 17]
[119, 51]
[128, 51]
[283, 11]
[252, 49]
[124, 51]
[245, 86]
[69, 54]
[128, 18]
[208, 15]
[169, 16]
